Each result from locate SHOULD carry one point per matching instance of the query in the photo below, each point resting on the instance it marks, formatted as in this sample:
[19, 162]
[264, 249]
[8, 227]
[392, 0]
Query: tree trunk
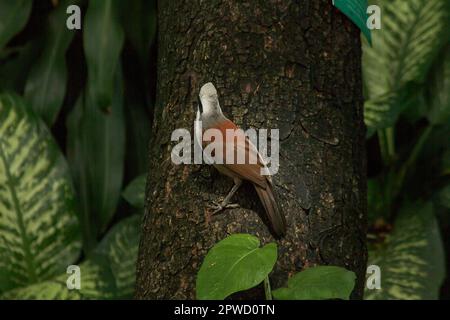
[292, 65]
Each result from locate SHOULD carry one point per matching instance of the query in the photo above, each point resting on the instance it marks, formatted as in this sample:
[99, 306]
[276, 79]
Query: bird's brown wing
[262, 184]
[247, 171]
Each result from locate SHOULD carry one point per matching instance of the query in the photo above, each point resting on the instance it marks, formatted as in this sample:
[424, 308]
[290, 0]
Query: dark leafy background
[75, 119]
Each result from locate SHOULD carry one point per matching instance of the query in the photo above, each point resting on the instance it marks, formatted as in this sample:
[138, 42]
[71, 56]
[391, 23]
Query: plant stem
[390, 139]
[386, 140]
[267, 288]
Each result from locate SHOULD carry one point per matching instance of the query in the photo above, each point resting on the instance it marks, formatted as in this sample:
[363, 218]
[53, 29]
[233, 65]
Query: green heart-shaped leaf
[318, 283]
[234, 264]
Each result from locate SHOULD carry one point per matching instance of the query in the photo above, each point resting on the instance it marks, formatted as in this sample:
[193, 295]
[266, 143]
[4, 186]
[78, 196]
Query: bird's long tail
[276, 218]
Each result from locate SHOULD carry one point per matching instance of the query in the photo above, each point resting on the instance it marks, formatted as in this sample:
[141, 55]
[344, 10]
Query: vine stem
[267, 288]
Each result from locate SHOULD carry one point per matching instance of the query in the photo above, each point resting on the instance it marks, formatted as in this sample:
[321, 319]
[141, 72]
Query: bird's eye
[200, 104]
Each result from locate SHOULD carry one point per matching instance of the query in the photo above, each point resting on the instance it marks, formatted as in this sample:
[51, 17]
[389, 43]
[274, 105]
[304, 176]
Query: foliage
[406, 80]
[238, 263]
[36, 193]
[60, 198]
[411, 36]
[411, 258]
[107, 274]
[318, 283]
[134, 193]
[234, 264]
[46, 83]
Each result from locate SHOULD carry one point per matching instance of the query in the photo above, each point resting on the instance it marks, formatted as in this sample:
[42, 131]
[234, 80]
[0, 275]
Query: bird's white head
[208, 100]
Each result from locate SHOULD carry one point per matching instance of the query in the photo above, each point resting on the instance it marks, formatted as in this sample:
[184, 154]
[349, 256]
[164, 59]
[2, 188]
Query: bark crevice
[292, 65]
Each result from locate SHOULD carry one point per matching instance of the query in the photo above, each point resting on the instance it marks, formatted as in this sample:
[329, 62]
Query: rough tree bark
[292, 65]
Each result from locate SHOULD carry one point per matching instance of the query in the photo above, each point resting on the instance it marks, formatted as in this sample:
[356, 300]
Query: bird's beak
[200, 106]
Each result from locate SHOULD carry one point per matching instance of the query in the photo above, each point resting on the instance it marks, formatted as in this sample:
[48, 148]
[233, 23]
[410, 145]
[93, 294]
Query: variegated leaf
[412, 258]
[39, 229]
[120, 246]
[438, 90]
[108, 274]
[96, 282]
[412, 33]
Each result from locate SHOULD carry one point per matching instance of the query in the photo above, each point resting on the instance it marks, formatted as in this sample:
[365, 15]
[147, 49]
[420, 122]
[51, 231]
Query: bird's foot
[218, 207]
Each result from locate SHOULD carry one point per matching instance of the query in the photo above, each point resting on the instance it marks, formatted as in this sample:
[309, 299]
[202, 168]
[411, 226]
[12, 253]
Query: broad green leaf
[16, 67]
[318, 283]
[412, 34]
[411, 259]
[96, 280]
[103, 39]
[438, 89]
[13, 18]
[138, 123]
[46, 84]
[382, 112]
[95, 148]
[120, 247]
[108, 274]
[234, 264]
[134, 193]
[39, 228]
[355, 10]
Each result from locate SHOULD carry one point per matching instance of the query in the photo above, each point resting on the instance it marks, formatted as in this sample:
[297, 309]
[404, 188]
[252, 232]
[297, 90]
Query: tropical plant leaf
[15, 68]
[355, 10]
[103, 39]
[139, 126]
[134, 193]
[412, 258]
[13, 18]
[318, 283]
[95, 148]
[108, 274]
[382, 112]
[438, 89]
[412, 34]
[140, 26]
[234, 264]
[120, 247]
[39, 228]
[96, 279]
[46, 84]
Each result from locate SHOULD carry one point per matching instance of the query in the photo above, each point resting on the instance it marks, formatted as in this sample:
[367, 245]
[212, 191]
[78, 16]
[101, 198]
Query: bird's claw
[218, 207]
